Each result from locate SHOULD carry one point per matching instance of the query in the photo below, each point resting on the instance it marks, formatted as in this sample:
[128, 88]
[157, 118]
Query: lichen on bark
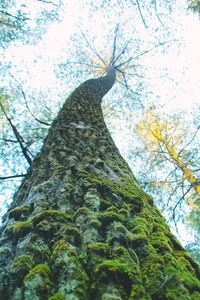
[81, 227]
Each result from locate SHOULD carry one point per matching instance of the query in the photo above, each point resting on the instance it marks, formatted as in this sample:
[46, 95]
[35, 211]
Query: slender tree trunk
[80, 226]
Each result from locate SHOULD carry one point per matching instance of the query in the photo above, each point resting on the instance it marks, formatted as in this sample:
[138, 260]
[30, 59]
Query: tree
[81, 227]
[171, 148]
[167, 141]
[19, 21]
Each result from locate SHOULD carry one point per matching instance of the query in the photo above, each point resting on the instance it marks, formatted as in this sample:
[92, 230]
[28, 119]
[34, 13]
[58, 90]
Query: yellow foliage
[156, 132]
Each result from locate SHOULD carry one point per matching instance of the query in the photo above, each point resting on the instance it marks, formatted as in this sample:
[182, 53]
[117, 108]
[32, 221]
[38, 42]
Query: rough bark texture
[80, 227]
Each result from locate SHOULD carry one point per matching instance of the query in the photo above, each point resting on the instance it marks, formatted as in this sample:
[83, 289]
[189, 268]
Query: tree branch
[12, 16]
[140, 12]
[17, 135]
[26, 103]
[12, 176]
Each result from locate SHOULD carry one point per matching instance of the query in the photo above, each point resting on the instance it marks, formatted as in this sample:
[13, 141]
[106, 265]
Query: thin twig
[147, 51]
[175, 207]
[157, 15]
[141, 15]
[12, 176]
[190, 141]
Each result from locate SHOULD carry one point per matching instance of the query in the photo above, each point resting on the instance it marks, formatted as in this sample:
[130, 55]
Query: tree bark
[80, 226]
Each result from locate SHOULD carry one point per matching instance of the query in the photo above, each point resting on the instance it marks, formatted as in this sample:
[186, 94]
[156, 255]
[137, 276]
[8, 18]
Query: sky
[172, 75]
[180, 83]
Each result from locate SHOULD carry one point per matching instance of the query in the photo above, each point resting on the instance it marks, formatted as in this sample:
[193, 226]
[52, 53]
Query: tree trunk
[80, 226]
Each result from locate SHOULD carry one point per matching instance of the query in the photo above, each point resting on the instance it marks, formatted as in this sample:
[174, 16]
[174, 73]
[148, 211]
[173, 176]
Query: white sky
[182, 88]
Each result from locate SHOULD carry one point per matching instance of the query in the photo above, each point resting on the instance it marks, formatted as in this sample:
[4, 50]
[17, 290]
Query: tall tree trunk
[80, 226]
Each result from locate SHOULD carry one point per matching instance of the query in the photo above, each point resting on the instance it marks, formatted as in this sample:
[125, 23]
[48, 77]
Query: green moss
[37, 283]
[127, 187]
[83, 211]
[38, 247]
[54, 215]
[116, 270]
[112, 208]
[129, 207]
[19, 229]
[62, 246]
[161, 226]
[120, 251]
[123, 211]
[99, 248]
[41, 269]
[21, 266]
[68, 271]
[108, 217]
[139, 232]
[138, 292]
[18, 212]
[195, 296]
[136, 239]
[138, 221]
[57, 296]
[180, 286]
[160, 242]
[146, 214]
[152, 273]
[5, 250]
[71, 234]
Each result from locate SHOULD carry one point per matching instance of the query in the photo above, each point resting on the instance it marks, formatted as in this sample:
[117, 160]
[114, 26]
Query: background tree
[194, 5]
[173, 152]
[26, 22]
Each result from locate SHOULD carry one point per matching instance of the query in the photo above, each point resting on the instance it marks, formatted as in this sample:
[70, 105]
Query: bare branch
[84, 64]
[140, 12]
[12, 16]
[156, 46]
[8, 140]
[12, 176]
[93, 49]
[50, 2]
[26, 103]
[122, 52]
[157, 15]
[178, 203]
[17, 135]
[114, 45]
[190, 141]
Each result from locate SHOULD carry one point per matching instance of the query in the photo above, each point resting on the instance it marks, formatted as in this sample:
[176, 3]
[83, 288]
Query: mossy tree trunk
[80, 226]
